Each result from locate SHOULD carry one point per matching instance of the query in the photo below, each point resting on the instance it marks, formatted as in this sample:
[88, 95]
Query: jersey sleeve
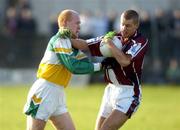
[138, 48]
[93, 45]
[67, 57]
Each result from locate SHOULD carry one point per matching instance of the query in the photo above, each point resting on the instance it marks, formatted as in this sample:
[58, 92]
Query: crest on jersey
[134, 49]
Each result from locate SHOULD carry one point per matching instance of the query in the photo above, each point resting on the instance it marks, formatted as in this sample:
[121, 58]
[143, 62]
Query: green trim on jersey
[76, 66]
[61, 60]
[68, 58]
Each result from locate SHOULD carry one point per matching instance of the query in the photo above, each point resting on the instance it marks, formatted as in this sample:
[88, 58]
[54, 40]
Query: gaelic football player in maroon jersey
[123, 71]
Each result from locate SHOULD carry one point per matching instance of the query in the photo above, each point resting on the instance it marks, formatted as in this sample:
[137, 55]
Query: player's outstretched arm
[79, 44]
[76, 66]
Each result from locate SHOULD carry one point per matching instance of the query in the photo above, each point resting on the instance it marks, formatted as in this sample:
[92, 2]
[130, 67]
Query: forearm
[79, 44]
[123, 59]
[79, 66]
[84, 67]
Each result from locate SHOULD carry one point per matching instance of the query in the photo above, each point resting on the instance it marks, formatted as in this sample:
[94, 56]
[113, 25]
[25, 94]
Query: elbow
[125, 62]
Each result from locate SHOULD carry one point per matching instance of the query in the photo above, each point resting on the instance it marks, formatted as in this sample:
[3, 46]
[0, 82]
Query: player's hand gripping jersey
[136, 46]
[61, 60]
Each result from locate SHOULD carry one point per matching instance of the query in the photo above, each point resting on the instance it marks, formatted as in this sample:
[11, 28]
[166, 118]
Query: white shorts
[44, 100]
[119, 98]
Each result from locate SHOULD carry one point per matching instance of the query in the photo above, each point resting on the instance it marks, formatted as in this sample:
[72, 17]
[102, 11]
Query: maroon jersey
[136, 46]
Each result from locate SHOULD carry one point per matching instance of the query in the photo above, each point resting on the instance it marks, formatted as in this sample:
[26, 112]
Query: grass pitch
[159, 110]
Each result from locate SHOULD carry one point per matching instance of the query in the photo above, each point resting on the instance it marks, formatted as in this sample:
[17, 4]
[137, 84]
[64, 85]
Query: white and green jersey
[61, 60]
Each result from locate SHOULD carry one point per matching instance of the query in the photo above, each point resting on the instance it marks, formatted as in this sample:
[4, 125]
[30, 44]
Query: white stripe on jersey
[50, 58]
[94, 40]
[112, 77]
[63, 46]
[136, 74]
[63, 43]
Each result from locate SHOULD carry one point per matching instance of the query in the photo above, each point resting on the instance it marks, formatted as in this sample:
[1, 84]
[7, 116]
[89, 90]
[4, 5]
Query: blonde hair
[64, 16]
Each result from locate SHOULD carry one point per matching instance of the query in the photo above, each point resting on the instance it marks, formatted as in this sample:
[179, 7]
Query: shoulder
[58, 42]
[140, 38]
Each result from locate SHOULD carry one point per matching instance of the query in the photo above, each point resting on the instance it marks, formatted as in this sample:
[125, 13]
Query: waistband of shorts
[121, 85]
[50, 83]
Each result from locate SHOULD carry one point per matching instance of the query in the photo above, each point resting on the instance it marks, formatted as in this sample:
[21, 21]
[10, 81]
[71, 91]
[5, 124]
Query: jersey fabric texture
[61, 60]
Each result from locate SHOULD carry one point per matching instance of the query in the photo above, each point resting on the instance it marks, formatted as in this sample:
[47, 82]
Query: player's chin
[77, 34]
[125, 35]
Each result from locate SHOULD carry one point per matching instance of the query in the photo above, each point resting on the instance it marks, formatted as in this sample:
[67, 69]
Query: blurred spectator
[10, 27]
[156, 72]
[145, 24]
[11, 3]
[23, 4]
[53, 25]
[175, 33]
[26, 34]
[10, 30]
[26, 23]
[173, 72]
[1, 19]
[86, 31]
[145, 28]
[112, 16]
[161, 20]
[100, 24]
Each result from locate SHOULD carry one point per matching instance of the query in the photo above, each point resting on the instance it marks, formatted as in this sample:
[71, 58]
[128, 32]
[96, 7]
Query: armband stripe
[62, 50]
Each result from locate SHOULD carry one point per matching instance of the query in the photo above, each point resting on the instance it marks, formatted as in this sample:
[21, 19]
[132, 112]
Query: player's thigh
[100, 120]
[115, 120]
[63, 122]
[35, 124]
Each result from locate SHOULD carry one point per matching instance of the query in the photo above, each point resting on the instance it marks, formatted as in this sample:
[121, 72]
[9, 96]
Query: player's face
[127, 27]
[74, 25]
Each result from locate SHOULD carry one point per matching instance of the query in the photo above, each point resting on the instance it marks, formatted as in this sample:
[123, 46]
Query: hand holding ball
[104, 47]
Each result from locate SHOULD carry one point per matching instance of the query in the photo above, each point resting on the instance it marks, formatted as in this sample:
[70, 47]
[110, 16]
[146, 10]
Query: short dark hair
[131, 14]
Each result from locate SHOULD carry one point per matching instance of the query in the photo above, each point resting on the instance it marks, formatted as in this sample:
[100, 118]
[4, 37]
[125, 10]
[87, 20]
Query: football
[104, 49]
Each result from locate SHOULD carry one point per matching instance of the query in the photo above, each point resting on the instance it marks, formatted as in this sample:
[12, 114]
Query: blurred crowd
[18, 32]
[23, 46]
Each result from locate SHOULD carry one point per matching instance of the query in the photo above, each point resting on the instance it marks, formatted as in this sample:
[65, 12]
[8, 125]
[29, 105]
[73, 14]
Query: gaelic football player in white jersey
[46, 98]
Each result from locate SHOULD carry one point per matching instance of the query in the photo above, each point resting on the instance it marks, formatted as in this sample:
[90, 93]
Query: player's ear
[64, 23]
[137, 24]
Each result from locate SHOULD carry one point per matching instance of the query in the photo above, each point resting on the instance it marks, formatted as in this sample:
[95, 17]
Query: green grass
[159, 110]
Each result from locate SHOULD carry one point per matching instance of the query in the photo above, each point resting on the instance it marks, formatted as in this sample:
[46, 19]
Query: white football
[104, 49]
